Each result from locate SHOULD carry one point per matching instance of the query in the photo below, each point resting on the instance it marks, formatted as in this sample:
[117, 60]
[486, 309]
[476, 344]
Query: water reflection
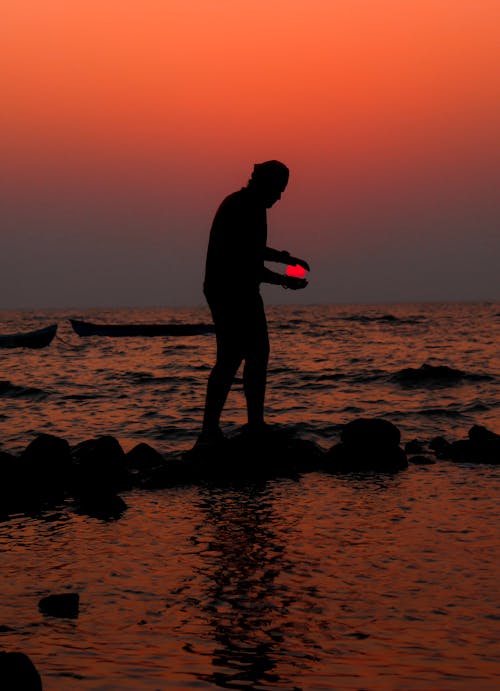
[245, 604]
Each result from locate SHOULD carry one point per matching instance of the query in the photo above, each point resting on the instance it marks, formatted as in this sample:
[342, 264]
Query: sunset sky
[125, 122]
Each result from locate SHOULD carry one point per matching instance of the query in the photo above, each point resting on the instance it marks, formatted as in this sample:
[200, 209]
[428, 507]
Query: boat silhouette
[84, 328]
[40, 338]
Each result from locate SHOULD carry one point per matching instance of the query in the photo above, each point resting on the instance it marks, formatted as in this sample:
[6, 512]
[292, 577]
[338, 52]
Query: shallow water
[347, 583]
[373, 582]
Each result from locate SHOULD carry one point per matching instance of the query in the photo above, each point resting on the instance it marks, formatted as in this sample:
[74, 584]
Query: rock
[174, 472]
[440, 446]
[367, 444]
[100, 467]
[106, 506]
[18, 673]
[143, 457]
[482, 446]
[421, 460]
[249, 457]
[10, 484]
[47, 466]
[414, 446]
[65, 605]
[343, 458]
[370, 432]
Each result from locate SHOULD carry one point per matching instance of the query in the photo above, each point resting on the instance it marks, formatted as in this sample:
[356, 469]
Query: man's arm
[283, 257]
[280, 256]
[276, 279]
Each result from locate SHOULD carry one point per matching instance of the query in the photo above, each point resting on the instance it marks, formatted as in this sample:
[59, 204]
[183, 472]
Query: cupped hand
[294, 283]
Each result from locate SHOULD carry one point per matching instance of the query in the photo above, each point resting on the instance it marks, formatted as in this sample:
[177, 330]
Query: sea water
[356, 582]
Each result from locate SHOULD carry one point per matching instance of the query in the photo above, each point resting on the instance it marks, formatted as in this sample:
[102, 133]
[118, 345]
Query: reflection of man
[234, 270]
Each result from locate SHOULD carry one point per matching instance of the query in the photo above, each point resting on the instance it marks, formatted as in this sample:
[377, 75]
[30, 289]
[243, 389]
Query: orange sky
[126, 121]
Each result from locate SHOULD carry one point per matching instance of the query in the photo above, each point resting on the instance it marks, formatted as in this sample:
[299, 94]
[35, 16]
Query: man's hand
[301, 262]
[293, 283]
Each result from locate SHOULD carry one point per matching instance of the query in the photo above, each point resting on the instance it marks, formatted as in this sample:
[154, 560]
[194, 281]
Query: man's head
[269, 180]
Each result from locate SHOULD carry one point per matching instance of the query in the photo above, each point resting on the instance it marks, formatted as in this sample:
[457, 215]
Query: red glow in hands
[296, 271]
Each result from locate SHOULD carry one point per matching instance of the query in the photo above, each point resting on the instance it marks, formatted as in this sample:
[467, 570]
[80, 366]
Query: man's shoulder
[235, 199]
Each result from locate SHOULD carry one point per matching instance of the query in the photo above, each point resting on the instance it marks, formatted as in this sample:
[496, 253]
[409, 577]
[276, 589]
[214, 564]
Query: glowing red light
[296, 271]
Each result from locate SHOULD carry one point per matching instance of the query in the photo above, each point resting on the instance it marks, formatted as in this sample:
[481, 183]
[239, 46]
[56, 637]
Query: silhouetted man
[234, 271]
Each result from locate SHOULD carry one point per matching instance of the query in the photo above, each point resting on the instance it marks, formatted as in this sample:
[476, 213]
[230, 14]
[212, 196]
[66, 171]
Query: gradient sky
[125, 122]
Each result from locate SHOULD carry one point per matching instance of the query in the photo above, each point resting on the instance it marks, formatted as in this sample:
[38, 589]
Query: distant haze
[124, 123]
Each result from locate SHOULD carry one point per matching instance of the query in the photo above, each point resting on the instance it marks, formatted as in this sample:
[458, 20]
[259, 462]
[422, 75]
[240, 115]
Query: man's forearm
[272, 277]
[272, 255]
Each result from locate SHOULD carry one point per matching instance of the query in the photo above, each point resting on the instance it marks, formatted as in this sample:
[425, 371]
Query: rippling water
[348, 583]
[328, 364]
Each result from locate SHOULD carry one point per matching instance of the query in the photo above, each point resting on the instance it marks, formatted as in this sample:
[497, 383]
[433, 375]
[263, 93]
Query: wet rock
[420, 459]
[143, 457]
[367, 444]
[482, 446]
[100, 467]
[440, 446]
[106, 506]
[369, 432]
[415, 446]
[344, 458]
[175, 471]
[10, 484]
[47, 466]
[18, 673]
[65, 605]
[249, 457]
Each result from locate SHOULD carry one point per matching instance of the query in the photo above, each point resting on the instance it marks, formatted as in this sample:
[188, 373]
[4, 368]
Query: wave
[10, 390]
[384, 319]
[435, 375]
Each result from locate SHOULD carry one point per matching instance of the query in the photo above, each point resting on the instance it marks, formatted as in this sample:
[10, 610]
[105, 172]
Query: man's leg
[218, 387]
[255, 370]
[229, 358]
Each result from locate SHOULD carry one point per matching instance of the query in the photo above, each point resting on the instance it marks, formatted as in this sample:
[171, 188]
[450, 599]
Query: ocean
[369, 582]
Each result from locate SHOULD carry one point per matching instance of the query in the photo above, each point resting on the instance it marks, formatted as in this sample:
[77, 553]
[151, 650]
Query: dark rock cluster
[368, 444]
[92, 474]
[481, 446]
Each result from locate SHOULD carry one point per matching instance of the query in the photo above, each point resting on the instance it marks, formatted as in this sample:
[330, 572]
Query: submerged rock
[18, 673]
[367, 444]
[65, 605]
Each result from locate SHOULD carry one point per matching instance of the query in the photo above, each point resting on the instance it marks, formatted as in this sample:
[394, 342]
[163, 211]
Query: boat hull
[31, 339]
[83, 328]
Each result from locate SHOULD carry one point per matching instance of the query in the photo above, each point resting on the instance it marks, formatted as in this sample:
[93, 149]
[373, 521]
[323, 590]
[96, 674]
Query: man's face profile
[272, 191]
